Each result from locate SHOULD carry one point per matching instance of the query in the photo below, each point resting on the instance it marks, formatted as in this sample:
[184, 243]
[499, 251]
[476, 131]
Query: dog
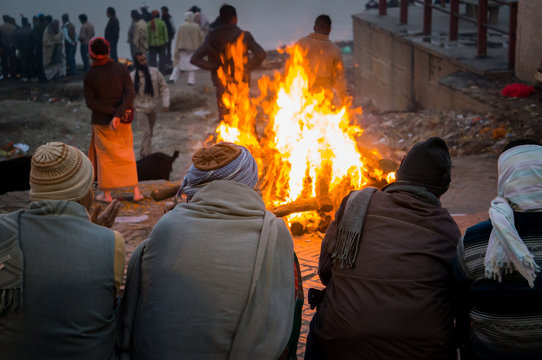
[155, 166]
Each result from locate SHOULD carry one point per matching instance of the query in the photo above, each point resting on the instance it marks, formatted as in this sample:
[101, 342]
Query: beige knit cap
[60, 172]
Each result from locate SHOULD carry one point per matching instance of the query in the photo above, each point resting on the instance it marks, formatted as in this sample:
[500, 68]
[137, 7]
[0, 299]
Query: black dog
[155, 166]
[15, 174]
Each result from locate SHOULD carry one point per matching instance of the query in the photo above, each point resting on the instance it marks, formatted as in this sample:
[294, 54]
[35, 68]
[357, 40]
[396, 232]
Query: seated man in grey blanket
[60, 273]
[216, 278]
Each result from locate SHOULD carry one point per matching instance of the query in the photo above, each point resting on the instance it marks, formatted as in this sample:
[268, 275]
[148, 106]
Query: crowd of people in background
[44, 48]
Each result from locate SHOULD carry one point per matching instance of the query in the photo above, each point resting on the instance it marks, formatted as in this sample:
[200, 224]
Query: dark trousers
[84, 56]
[159, 51]
[27, 70]
[9, 65]
[313, 350]
[70, 58]
[113, 52]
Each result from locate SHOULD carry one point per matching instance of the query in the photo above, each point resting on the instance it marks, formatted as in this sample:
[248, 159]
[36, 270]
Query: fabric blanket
[215, 280]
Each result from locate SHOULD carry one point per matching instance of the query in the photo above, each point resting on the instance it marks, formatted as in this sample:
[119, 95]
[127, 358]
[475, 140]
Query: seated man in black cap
[387, 263]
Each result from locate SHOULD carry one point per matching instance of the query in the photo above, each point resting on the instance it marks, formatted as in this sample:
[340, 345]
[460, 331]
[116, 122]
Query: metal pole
[382, 8]
[482, 28]
[427, 12]
[512, 34]
[454, 19]
[404, 12]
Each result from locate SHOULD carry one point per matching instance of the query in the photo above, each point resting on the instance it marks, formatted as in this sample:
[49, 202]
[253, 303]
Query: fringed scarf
[11, 263]
[149, 90]
[344, 243]
[519, 188]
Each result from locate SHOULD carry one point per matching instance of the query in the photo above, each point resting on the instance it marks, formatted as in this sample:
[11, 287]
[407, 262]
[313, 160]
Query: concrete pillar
[529, 39]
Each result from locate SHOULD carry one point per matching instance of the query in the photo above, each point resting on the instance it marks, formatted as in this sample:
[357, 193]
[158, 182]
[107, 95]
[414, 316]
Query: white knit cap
[60, 172]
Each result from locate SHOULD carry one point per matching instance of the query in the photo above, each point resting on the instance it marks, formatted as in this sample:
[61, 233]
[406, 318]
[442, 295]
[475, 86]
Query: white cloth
[519, 188]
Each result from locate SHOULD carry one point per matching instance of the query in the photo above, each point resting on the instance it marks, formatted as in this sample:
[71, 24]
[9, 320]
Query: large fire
[305, 142]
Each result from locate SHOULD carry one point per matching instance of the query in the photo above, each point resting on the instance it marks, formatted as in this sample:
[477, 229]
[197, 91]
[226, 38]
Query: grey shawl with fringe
[11, 263]
[344, 243]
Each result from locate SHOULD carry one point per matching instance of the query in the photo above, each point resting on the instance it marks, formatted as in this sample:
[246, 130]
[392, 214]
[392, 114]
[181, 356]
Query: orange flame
[304, 142]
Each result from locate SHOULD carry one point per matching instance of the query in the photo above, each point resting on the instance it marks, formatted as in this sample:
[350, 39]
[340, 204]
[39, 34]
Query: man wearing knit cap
[386, 264]
[216, 278]
[497, 267]
[60, 274]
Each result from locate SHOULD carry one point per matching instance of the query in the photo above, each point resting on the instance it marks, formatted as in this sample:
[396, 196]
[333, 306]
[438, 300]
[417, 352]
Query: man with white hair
[60, 274]
[216, 278]
[499, 315]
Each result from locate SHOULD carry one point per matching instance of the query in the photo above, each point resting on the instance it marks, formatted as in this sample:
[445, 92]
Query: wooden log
[297, 229]
[165, 192]
[300, 205]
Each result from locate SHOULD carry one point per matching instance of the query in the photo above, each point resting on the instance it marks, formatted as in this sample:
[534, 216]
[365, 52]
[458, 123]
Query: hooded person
[498, 263]
[386, 264]
[60, 273]
[189, 38]
[216, 278]
[54, 61]
[109, 93]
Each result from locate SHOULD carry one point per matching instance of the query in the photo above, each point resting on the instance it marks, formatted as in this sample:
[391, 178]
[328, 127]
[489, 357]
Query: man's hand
[114, 124]
[107, 217]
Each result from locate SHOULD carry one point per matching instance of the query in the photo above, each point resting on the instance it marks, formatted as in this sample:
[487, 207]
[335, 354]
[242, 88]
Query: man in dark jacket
[214, 49]
[70, 43]
[7, 46]
[24, 43]
[112, 30]
[386, 260]
[37, 33]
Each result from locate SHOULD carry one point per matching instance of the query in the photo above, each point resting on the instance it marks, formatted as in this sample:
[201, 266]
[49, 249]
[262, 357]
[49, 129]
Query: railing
[481, 21]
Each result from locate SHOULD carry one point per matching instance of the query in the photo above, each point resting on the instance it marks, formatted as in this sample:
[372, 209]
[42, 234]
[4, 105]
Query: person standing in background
[150, 87]
[85, 34]
[37, 33]
[189, 38]
[112, 30]
[7, 51]
[24, 43]
[158, 40]
[109, 93]
[138, 37]
[54, 62]
[200, 19]
[324, 57]
[70, 43]
[211, 55]
[170, 25]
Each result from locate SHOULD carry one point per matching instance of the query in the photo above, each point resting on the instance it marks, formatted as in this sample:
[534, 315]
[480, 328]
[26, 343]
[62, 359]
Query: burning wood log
[165, 192]
[300, 205]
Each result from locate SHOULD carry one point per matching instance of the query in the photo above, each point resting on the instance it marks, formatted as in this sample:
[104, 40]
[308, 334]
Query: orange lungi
[112, 154]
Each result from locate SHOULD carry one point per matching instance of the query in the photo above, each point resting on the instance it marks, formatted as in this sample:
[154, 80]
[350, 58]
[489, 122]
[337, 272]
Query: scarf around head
[519, 188]
[99, 59]
[149, 90]
[242, 168]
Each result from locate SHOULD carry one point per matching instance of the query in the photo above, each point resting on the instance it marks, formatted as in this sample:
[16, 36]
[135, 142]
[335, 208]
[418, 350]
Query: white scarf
[519, 188]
